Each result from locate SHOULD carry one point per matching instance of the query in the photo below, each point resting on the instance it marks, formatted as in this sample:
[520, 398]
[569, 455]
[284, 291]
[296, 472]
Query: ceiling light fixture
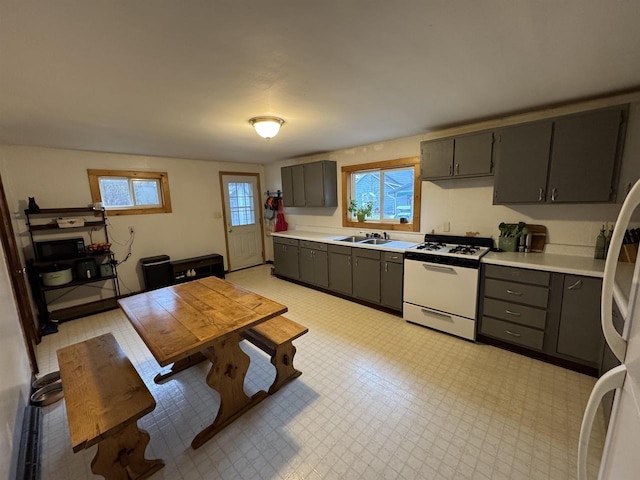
[266, 127]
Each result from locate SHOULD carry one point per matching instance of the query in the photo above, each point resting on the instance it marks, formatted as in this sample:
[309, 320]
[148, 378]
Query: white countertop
[550, 262]
[393, 246]
[572, 264]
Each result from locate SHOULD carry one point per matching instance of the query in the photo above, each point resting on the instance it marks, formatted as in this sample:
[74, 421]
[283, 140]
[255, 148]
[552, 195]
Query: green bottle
[600, 245]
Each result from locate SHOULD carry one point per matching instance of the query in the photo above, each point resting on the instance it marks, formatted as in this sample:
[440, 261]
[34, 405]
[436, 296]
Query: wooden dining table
[203, 319]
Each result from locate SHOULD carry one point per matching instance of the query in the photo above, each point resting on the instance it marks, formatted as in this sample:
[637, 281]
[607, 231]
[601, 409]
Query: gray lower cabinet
[569, 159]
[468, 155]
[313, 263]
[514, 305]
[391, 280]
[580, 332]
[366, 274]
[340, 275]
[554, 314]
[285, 257]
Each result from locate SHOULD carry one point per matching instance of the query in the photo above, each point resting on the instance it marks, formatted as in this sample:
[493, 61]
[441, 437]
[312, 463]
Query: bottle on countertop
[607, 240]
[600, 245]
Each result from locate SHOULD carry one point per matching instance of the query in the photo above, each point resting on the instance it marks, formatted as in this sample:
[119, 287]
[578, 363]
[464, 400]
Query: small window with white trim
[127, 192]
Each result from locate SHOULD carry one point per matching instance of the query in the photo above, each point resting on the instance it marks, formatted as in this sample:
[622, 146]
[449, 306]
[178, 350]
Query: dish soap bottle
[600, 245]
[607, 240]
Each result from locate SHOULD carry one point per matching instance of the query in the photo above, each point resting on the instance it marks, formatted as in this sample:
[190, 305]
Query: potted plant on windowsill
[362, 211]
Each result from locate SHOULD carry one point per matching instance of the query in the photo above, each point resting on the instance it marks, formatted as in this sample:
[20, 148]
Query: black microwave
[60, 249]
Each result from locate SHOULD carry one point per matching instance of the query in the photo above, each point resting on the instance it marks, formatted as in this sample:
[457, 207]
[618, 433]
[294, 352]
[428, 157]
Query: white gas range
[441, 280]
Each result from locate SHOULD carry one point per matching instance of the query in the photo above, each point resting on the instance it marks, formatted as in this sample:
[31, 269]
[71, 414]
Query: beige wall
[466, 204]
[15, 375]
[58, 178]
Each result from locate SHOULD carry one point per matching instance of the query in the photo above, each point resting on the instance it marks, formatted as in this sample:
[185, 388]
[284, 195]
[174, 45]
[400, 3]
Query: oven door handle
[439, 314]
[438, 268]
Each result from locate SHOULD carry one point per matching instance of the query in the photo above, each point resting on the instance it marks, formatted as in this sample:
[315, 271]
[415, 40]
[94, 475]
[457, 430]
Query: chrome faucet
[385, 235]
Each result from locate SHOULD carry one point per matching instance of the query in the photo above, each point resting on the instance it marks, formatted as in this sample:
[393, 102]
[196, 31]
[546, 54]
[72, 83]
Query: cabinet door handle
[386, 266]
[515, 314]
[356, 261]
[575, 286]
[349, 261]
[513, 292]
[540, 194]
[513, 334]
[457, 169]
[554, 194]
[450, 170]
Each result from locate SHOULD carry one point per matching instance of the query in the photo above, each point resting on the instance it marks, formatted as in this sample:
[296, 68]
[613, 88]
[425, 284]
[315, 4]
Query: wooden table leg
[179, 366]
[121, 456]
[228, 370]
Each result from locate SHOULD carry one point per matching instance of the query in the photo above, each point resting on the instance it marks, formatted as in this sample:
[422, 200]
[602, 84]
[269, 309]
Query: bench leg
[121, 456]
[228, 369]
[283, 361]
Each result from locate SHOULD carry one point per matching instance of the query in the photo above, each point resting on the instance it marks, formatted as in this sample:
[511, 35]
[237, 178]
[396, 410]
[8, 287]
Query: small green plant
[362, 211]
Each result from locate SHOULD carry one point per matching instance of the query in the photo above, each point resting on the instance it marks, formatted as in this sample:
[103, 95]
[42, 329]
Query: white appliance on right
[621, 456]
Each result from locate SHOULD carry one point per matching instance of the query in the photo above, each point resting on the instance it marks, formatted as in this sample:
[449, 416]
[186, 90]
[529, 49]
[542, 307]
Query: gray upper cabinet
[436, 159]
[287, 186]
[522, 158]
[580, 332]
[586, 151]
[570, 159]
[310, 184]
[455, 157]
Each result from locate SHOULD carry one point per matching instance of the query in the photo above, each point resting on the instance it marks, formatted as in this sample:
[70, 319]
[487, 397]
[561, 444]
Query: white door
[243, 217]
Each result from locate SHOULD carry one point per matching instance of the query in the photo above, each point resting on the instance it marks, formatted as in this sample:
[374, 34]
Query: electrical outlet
[131, 230]
[446, 227]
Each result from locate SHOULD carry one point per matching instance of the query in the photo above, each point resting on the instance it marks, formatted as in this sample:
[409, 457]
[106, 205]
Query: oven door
[445, 288]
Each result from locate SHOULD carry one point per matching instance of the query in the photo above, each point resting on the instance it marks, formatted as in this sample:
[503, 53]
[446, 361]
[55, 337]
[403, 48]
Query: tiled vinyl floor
[378, 399]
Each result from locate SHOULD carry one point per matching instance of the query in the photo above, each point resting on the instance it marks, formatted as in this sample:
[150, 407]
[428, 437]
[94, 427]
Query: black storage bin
[157, 272]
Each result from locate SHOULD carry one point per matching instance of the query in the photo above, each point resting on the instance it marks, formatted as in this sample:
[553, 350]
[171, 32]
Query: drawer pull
[513, 334]
[438, 268]
[575, 286]
[515, 314]
[431, 312]
[513, 292]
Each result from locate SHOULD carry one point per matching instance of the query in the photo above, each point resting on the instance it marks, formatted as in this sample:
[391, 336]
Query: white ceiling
[181, 78]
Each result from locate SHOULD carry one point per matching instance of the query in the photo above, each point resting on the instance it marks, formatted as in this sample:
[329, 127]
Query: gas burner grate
[464, 250]
[431, 246]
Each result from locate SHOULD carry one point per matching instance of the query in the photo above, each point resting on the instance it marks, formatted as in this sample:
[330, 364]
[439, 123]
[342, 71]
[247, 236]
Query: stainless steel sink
[375, 241]
[352, 239]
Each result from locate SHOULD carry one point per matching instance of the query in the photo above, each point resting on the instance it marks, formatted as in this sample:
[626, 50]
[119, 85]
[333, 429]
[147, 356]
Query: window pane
[241, 204]
[146, 192]
[115, 192]
[366, 188]
[398, 193]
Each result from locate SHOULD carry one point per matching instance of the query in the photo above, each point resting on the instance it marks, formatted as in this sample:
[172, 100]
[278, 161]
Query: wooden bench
[275, 337]
[105, 397]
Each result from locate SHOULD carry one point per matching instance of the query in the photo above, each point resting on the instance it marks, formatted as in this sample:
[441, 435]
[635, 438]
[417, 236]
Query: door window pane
[241, 204]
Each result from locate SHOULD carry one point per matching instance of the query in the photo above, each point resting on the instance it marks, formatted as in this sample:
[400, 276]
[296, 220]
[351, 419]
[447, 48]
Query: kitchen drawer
[393, 257]
[516, 292]
[285, 241]
[341, 249]
[313, 245]
[528, 316]
[512, 333]
[444, 322]
[366, 253]
[522, 275]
